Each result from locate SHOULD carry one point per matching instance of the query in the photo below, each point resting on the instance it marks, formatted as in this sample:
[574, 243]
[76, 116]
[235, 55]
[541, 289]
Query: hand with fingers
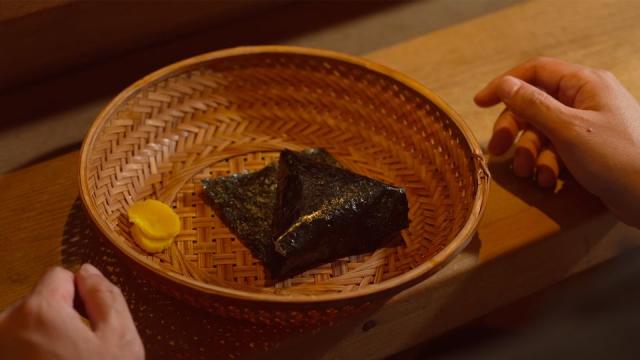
[45, 325]
[583, 116]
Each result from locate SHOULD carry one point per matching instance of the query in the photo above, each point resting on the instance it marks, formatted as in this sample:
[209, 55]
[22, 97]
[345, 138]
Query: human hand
[45, 325]
[583, 114]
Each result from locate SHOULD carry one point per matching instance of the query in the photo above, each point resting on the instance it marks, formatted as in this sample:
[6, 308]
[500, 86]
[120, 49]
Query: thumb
[56, 284]
[535, 106]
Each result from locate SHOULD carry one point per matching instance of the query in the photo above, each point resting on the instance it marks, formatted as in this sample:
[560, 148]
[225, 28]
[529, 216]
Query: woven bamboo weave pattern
[234, 114]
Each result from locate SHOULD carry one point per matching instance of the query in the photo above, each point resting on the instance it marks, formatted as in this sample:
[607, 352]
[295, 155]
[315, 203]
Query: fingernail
[480, 93]
[89, 269]
[545, 177]
[477, 99]
[508, 86]
[501, 141]
[523, 162]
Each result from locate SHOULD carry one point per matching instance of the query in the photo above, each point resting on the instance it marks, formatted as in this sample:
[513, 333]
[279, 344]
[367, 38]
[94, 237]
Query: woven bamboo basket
[229, 111]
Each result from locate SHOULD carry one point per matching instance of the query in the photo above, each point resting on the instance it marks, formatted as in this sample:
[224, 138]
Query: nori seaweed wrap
[306, 210]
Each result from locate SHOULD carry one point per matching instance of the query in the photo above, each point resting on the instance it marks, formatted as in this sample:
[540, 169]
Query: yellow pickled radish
[155, 219]
[150, 245]
[155, 225]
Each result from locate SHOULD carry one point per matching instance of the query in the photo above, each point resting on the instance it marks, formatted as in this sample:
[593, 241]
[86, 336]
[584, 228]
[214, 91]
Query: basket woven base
[208, 251]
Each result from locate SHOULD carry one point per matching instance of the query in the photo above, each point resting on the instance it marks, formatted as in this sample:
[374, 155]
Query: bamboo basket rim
[460, 241]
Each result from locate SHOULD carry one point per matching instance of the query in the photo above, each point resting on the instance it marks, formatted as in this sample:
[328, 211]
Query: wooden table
[529, 239]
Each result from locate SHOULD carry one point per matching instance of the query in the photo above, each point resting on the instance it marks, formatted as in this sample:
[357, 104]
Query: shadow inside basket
[207, 251]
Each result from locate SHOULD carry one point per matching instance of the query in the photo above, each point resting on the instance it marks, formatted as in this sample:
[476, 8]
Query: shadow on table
[567, 206]
[60, 151]
[531, 268]
[170, 329]
[328, 339]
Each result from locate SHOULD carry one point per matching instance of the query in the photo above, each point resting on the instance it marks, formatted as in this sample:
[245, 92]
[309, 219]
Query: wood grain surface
[528, 239]
[74, 33]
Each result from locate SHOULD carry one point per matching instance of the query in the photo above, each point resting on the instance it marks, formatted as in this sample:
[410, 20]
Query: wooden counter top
[529, 239]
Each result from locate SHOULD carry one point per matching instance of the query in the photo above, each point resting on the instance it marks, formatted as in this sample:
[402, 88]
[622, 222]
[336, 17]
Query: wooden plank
[528, 239]
[35, 204]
